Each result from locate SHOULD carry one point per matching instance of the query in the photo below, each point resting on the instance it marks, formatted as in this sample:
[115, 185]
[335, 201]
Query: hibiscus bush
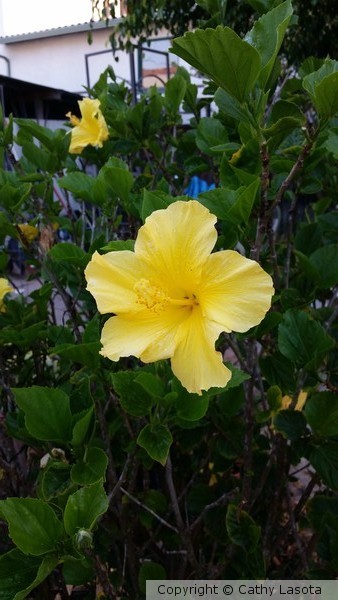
[168, 327]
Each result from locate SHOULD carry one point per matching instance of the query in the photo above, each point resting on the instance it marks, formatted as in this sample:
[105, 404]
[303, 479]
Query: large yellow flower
[91, 129]
[5, 288]
[172, 298]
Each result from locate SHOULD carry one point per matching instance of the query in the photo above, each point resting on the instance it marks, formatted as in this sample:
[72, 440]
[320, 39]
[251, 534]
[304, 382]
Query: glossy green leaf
[220, 53]
[20, 574]
[154, 200]
[267, 36]
[33, 525]
[83, 423]
[134, 398]
[325, 261]
[47, 412]
[79, 184]
[242, 529]
[92, 468]
[150, 571]
[84, 507]
[321, 412]
[70, 253]
[210, 132]
[322, 86]
[156, 439]
[55, 480]
[119, 181]
[232, 206]
[331, 143]
[324, 459]
[301, 339]
[174, 93]
[232, 107]
[152, 384]
[83, 354]
[290, 423]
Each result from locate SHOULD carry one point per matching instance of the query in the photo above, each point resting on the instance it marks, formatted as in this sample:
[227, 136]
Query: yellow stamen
[150, 295]
[156, 299]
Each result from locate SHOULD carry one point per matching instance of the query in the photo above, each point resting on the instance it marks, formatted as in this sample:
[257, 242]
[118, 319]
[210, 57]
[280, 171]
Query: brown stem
[179, 520]
[298, 165]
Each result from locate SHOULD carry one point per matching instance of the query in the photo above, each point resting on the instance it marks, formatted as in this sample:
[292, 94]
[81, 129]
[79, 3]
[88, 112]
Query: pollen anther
[150, 295]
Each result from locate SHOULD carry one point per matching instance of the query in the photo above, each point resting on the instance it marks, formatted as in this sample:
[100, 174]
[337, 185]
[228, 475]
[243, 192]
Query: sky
[25, 16]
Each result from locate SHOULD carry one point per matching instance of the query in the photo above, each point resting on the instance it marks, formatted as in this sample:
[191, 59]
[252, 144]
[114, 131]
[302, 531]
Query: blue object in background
[197, 186]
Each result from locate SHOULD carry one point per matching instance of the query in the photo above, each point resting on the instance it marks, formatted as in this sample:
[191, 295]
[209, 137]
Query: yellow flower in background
[5, 288]
[172, 298]
[91, 129]
[29, 232]
[301, 399]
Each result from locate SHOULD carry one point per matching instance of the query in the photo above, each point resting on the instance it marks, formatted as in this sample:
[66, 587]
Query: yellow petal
[302, 397]
[91, 129]
[235, 291]
[111, 279]
[175, 243]
[5, 288]
[146, 335]
[195, 362]
[29, 232]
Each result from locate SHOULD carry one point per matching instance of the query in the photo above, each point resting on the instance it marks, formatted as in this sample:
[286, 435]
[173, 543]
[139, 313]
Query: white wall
[59, 62]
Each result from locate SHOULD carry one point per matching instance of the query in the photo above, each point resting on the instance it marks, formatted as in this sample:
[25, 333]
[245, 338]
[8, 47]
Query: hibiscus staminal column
[172, 297]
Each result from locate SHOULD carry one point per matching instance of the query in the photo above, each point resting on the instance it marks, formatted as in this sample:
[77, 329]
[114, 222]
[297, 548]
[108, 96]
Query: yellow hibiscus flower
[172, 298]
[5, 288]
[91, 129]
[29, 232]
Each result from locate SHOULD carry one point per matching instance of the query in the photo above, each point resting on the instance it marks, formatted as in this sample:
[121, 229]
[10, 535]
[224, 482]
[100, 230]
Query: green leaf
[69, 253]
[20, 574]
[77, 572]
[319, 507]
[33, 525]
[154, 200]
[210, 132]
[152, 384]
[156, 439]
[322, 86]
[232, 107]
[84, 507]
[79, 184]
[278, 370]
[118, 179]
[47, 412]
[324, 459]
[229, 205]
[303, 340]
[55, 480]
[242, 529]
[133, 397]
[262, 6]
[267, 36]
[325, 260]
[220, 53]
[321, 412]
[189, 407]
[174, 93]
[83, 354]
[331, 143]
[291, 423]
[237, 377]
[148, 572]
[118, 245]
[83, 423]
[91, 469]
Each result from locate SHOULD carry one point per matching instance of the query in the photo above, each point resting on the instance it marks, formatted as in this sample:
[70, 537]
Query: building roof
[34, 101]
[58, 31]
